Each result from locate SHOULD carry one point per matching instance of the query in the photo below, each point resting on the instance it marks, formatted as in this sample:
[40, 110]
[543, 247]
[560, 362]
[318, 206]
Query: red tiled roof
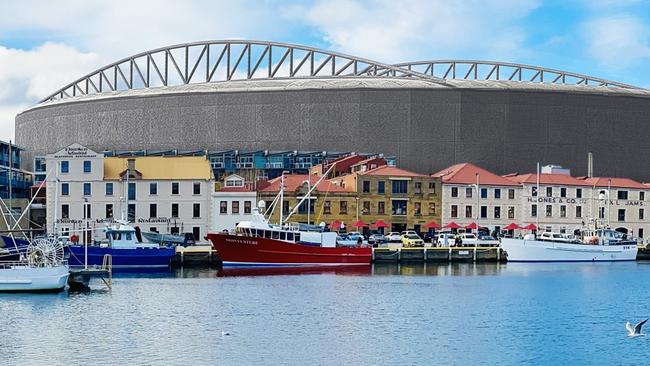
[615, 182]
[390, 171]
[548, 179]
[293, 181]
[465, 173]
[369, 160]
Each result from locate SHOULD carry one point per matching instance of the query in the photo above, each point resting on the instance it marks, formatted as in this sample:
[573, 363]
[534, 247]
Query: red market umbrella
[472, 226]
[452, 225]
[432, 225]
[380, 223]
[336, 225]
[512, 226]
[530, 227]
[360, 223]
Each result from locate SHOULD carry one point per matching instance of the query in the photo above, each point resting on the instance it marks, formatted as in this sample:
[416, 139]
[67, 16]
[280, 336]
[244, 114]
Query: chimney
[590, 165]
[131, 166]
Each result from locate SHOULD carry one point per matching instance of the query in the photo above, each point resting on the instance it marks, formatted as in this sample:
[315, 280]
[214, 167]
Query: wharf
[643, 253]
[79, 278]
[439, 255]
[195, 255]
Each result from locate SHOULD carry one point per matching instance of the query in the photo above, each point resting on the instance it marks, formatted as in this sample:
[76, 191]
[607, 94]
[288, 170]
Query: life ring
[74, 238]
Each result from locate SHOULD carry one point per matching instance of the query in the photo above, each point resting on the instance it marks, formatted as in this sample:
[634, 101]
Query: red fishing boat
[259, 243]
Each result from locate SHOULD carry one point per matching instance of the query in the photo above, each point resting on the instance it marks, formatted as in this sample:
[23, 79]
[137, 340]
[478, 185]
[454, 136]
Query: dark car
[377, 239]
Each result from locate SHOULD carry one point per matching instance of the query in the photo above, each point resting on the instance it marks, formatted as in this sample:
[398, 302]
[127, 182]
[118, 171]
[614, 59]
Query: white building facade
[232, 203]
[162, 194]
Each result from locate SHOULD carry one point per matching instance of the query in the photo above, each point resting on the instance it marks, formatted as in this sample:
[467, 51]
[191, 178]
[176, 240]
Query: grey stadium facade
[250, 95]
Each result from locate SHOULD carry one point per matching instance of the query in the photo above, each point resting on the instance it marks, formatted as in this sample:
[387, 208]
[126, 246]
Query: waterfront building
[232, 202]
[15, 183]
[620, 203]
[403, 199]
[167, 194]
[327, 203]
[471, 194]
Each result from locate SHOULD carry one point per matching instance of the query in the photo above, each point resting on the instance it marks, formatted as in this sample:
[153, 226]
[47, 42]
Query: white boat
[596, 245]
[41, 267]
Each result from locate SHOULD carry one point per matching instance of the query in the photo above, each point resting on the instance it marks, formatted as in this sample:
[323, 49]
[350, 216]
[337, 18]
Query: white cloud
[617, 41]
[411, 29]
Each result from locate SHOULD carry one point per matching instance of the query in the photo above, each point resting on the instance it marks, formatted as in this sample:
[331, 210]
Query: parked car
[430, 237]
[408, 232]
[412, 240]
[487, 240]
[352, 239]
[394, 237]
[376, 239]
[441, 239]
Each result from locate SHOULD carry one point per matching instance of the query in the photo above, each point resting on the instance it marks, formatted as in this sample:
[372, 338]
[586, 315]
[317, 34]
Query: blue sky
[44, 45]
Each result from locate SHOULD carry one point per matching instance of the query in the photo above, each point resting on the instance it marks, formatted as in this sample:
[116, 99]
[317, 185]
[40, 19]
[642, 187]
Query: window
[109, 211]
[399, 207]
[468, 211]
[196, 188]
[196, 232]
[432, 208]
[343, 207]
[381, 187]
[153, 210]
[511, 194]
[484, 192]
[578, 211]
[303, 207]
[131, 212]
[622, 195]
[87, 190]
[285, 207]
[65, 211]
[432, 187]
[87, 211]
[641, 233]
[153, 188]
[578, 192]
[65, 189]
[366, 186]
[381, 208]
[562, 211]
[175, 210]
[641, 214]
[417, 187]
[454, 192]
[549, 191]
[483, 212]
[533, 210]
[497, 193]
[533, 191]
[511, 212]
[562, 192]
[549, 211]
[454, 211]
[621, 214]
[223, 207]
[247, 207]
[601, 212]
[497, 212]
[87, 166]
[641, 196]
[196, 210]
[417, 208]
[65, 166]
[468, 192]
[327, 207]
[366, 208]
[175, 188]
[131, 190]
[108, 189]
[400, 186]
[235, 207]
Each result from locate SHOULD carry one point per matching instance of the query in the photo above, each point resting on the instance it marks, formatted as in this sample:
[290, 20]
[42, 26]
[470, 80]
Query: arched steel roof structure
[504, 71]
[225, 60]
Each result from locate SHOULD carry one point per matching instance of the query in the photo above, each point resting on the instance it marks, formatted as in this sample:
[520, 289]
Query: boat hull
[122, 258]
[33, 279]
[519, 250]
[259, 252]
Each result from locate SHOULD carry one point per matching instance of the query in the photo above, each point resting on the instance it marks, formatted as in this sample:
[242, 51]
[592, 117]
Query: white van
[440, 239]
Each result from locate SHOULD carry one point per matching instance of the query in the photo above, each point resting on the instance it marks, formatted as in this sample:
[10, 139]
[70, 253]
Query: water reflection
[437, 269]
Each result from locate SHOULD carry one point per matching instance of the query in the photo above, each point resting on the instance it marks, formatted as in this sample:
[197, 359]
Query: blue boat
[122, 244]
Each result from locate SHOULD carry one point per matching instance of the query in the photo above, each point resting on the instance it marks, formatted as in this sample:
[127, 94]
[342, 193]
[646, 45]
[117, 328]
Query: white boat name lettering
[241, 241]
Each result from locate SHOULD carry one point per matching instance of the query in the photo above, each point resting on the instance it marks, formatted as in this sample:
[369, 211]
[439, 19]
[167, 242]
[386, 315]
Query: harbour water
[508, 314]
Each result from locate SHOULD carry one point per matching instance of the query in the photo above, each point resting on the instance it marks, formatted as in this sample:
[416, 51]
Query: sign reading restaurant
[76, 151]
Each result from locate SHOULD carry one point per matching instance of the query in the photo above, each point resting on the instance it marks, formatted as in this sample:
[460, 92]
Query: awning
[512, 226]
[336, 225]
[452, 225]
[432, 225]
[360, 223]
[380, 223]
[531, 227]
[472, 226]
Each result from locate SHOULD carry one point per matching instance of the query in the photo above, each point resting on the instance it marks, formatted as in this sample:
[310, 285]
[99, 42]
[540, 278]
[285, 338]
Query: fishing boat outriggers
[259, 243]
